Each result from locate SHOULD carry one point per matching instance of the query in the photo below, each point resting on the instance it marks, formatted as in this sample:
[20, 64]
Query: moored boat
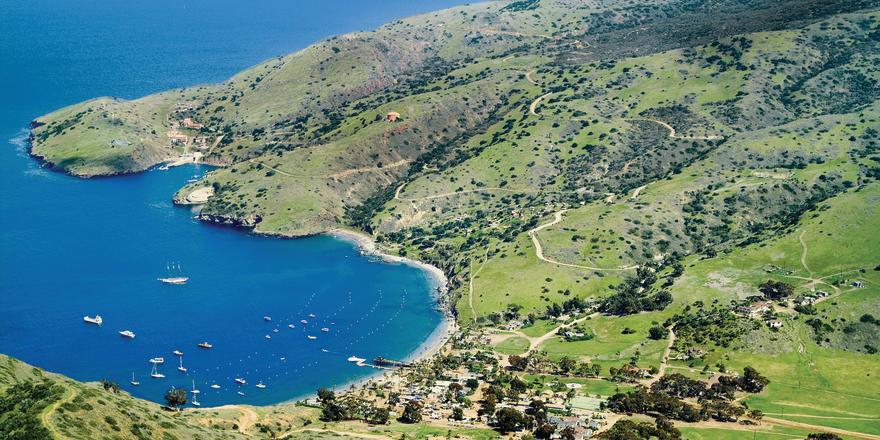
[205, 345]
[127, 334]
[97, 320]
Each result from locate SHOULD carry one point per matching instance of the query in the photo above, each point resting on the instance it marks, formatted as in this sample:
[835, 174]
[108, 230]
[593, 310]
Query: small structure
[191, 124]
[775, 324]
[392, 116]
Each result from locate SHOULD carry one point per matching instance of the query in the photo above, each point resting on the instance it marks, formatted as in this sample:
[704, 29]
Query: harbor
[360, 305]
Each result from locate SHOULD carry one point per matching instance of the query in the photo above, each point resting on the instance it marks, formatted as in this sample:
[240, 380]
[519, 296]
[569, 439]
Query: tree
[509, 420]
[378, 416]
[487, 405]
[823, 436]
[751, 381]
[457, 413]
[567, 364]
[518, 363]
[110, 386]
[326, 395]
[656, 333]
[568, 433]
[412, 413]
[518, 385]
[175, 397]
[544, 431]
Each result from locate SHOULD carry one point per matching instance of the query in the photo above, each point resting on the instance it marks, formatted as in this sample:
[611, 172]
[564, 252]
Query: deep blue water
[71, 247]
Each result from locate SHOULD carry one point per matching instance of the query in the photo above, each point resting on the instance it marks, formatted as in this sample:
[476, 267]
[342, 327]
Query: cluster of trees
[566, 366]
[21, 405]
[635, 295]
[568, 306]
[697, 326]
[351, 407]
[665, 398]
[662, 429]
[776, 290]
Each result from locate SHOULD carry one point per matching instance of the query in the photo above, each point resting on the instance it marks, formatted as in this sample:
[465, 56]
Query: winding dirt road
[672, 132]
[533, 107]
[539, 250]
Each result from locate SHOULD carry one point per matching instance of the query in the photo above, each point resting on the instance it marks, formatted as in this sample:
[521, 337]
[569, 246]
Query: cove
[71, 247]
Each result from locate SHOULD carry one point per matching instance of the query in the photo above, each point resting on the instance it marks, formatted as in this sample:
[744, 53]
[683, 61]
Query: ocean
[71, 247]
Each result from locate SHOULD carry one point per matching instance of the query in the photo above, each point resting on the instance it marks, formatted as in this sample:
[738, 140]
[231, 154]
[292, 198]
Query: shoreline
[441, 334]
[432, 345]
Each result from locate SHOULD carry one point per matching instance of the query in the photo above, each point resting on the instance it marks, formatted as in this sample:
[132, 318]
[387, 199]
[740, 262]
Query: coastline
[435, 341]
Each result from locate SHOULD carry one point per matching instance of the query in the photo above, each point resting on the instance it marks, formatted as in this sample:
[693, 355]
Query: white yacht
[260, 385]
[157, 360]
[205, 345]
[97, 320]
[127, 334]
[240, 381]
[177, 353]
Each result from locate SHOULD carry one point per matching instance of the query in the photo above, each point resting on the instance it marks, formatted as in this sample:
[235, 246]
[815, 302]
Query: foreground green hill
[707, 169]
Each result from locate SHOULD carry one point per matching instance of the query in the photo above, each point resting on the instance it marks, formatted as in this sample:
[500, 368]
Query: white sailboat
[181, 368]
[133, 381]
[155, 374]
[195, 392]
[174, 275]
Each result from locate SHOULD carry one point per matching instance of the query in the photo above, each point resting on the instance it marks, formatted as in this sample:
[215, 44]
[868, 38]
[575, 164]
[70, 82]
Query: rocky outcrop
[248, 221]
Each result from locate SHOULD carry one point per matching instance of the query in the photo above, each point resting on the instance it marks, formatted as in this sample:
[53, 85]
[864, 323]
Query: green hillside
[709, 169]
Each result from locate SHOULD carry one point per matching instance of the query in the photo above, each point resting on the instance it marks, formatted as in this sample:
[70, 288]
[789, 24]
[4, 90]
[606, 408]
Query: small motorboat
[267, 318]
[260, 385]
[275, 331]
[177, 353]
[240, 393]
[311, 315]
[205, 345]
[97, 320]
[268, 337]
[127, 334]
[325, 329]
[240, 381]
[283, 359]
[215, 386]
[312, 337]
[157, 360]
[325, 350]
[303, 321]
[291, 325]
[356, 359]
